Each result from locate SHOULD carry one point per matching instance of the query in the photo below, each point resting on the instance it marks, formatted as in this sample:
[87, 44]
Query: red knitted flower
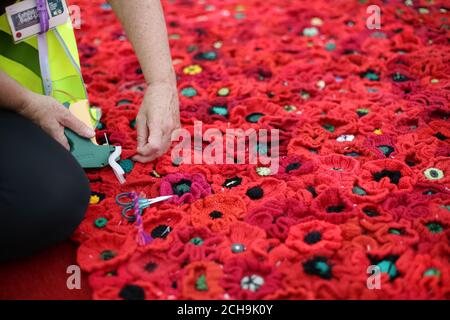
[245, 240]
[390, 175]
[161, 225]
[194, 244]
[246, 278]
[133, 290]
[315, 236]
[104, 252]
[277, 216]
[118, 277]
[186, 188]
[217, 212]
[333, 206]
[337, 169]
[201, 280]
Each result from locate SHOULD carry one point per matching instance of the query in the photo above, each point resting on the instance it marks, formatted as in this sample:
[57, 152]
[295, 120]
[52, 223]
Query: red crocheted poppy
[185, 188]
[277, 216]
[217, 212]
[194, 244]
[434, 228]
[337, 169]
[104, 252]
[373, 213]
[309, 136]
[160, 226]
[383, 146]
[261, 191]
[133, 290]
[391, 175]
[305, 188]
[405, 205]
[97, 221]
[294, 165]
[201, 280]
[245, 278]
[117, 277]
[249, 111]
[394, 233]
[353, 149]
[230, 180]
[153, 266]
[315, 236]
[245, 240]
[428, 277]
[333, 206]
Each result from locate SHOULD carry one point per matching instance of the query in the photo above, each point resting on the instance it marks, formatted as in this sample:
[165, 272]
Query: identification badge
[23, 17]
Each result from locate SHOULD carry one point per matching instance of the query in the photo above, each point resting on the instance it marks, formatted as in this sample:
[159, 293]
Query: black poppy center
[107, 255]
[293, 166]
[255, 193]
[318, 266]
[394, 176]
[336, 208]
[132, 292]
[313, 237]
[216, 214]
[150, 267]
[161, 231]
[232, 182]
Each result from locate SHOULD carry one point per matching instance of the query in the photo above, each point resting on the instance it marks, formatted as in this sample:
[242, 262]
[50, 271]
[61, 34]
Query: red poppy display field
[364, 154]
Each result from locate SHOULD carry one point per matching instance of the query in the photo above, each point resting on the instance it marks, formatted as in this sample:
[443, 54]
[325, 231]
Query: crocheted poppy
[337, 169]
[245, 278]
[383, 146]
[404, 205]
[193, 244]
[161, 225]
[217, 212]
[201, 280]
[152, 265]
[245, 240]
[113, 277]
[396, 232]
[104, 252]
[391, 175]
[434, 228]
[294, 166]
[333, 206]
[277, 216]
[314, 236]
[185, 188]
[133, 290]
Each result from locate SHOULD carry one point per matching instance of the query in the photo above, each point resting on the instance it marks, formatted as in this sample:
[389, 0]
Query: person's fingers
[59, 136]
[142, 132]
[68, 120]
[154, 143]
[143, 159]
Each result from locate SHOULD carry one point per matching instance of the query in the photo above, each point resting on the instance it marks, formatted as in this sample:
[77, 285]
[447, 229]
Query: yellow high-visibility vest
[21, 62]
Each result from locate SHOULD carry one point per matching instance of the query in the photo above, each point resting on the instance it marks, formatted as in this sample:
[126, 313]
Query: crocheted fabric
[364, 171]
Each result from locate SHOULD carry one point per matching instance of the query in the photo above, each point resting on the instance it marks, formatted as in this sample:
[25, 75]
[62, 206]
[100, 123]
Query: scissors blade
[158, 199]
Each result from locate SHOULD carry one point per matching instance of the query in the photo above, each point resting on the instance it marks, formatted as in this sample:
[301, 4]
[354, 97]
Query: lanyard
[44, 21]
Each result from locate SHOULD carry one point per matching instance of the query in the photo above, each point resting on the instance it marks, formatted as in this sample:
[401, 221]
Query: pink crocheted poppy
[185, 188]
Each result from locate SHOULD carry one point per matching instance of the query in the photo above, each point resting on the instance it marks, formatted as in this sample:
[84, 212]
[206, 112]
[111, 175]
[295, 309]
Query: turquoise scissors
[128, 205]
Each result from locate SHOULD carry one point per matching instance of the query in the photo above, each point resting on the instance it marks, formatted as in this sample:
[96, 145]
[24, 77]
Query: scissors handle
[123, 203]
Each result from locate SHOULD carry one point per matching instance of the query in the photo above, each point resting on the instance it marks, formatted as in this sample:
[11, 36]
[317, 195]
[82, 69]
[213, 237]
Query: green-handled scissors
[128, 205]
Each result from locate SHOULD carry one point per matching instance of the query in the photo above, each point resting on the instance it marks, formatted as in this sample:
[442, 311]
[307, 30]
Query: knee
[69, 205]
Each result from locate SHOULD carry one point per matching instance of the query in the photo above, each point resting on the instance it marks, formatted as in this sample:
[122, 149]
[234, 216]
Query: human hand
[158, 117]
[53, 117]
